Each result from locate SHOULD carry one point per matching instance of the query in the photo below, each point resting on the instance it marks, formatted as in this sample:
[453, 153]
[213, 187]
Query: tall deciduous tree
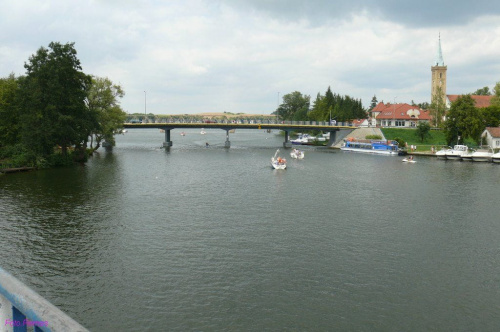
[463, 120]
[496, 95]
[53, 100]
[483, 92]
[103, 102]
[9, 111]
[437, 108]
[294, 106]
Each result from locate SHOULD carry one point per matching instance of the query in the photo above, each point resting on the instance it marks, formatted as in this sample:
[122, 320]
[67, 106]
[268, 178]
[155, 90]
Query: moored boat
[277, 162]
[441, 154]
[496, 157]
[482, 155]
[371, 146]
[303, 139]
[457, 152]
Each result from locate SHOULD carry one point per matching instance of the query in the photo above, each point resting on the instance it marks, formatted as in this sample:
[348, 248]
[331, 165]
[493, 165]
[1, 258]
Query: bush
[373, 137]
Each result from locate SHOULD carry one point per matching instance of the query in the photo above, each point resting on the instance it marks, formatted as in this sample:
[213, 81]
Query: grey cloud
[423, 13]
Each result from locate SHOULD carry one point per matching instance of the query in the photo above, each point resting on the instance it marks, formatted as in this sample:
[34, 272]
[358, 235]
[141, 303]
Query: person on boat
[207, 145]
[410, 158]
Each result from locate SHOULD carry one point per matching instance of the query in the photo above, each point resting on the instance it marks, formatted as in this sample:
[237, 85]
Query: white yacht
[457, 152]
[482, 155]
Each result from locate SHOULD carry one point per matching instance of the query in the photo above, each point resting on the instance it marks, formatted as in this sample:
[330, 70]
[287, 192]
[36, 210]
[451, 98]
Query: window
[497, 142]
[400, 123]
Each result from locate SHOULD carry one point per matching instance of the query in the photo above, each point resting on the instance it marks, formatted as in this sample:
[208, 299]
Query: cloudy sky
[193, 56]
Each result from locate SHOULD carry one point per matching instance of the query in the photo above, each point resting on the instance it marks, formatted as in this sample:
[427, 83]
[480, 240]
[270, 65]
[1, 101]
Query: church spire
[439, 57]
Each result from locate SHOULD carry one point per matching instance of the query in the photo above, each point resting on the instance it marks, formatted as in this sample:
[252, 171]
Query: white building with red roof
[492, 137]
[398, 115]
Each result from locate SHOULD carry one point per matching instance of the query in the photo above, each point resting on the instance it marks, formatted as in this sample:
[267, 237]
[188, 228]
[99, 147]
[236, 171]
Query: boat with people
[277, 162]
[384, 147]
[297, 154]
[183, 133]
[482, 155]
[457, 152]
[410, 159]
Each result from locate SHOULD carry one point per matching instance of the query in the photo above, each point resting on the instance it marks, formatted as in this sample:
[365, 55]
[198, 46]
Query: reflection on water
[214, 239]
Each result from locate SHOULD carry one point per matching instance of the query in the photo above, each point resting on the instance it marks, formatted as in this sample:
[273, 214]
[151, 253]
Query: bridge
[337, 132]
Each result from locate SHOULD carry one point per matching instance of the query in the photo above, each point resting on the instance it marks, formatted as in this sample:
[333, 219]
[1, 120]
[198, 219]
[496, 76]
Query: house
[491, 135]
[360, 123]
[481, 101]
[398, 115]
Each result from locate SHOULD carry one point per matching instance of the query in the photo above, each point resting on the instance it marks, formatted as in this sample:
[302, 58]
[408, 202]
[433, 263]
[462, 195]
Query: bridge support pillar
[287, 143]
[227, 144]
[168, 142]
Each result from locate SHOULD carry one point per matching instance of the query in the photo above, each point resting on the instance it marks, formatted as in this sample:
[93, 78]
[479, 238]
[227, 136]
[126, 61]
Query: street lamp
[144, 102]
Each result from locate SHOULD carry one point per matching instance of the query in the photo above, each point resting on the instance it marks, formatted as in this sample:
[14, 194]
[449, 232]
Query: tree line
[330, 106]
[55, 113]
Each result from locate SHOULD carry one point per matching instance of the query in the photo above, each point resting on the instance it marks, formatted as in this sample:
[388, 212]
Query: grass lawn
[436, 138]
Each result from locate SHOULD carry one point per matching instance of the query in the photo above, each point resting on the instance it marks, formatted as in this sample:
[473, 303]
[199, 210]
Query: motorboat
[277, 162]
[441, 154]
[297, 154]
[457, 152]
[409, 160]
[496, 157]
[482, 155]
[203, 132]
[468, 156]
[371, 146]
[183, 133]
[303, 139]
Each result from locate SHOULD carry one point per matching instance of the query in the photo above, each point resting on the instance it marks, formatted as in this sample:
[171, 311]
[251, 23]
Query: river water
[213, 239]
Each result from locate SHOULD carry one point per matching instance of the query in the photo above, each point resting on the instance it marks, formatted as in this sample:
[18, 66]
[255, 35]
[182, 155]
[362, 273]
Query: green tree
[9, 111]
[103, 103]
[53, 100]
[423, 130]
[483, 92]
[496, 95]
[294, 105]
[463, 120]
[437, 108]
[373, 103]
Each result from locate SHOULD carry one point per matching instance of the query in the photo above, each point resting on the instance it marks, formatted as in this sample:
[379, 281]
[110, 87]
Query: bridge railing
[22, 309]
[249, 121]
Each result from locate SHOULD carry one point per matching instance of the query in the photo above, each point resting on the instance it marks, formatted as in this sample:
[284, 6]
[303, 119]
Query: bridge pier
[168, 142]
[287, 143]
[227, 144]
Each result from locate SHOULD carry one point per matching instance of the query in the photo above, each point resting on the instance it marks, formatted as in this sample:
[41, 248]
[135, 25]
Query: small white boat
[482, 155]
[457, 152]
[277, 162]
[183, 133]
[203, 132]
[297, 154]
[496, 157]
[409, 160]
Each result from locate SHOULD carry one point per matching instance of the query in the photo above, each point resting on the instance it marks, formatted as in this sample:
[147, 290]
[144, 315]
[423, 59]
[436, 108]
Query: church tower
[438, 75]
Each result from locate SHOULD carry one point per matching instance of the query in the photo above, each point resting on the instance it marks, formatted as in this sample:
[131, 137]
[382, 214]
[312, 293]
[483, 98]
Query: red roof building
[399, 115]
[481, 101]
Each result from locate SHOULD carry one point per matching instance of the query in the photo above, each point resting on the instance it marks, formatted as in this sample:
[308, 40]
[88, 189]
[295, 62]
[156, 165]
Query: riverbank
[16, 169]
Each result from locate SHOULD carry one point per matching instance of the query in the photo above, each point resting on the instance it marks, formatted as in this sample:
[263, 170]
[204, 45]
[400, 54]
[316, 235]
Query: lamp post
[277, 108]
[144, 102]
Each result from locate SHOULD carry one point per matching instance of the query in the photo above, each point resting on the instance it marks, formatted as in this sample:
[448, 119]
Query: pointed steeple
[439, 57]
